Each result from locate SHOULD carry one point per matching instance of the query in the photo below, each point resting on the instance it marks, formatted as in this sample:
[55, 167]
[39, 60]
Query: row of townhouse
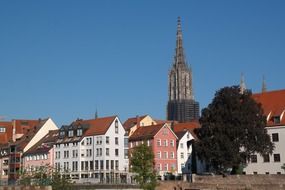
[96, 150]
[17, 137]
[92, 151]
[172, 144]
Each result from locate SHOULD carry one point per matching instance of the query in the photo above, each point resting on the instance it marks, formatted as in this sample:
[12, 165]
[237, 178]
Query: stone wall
[233, 182]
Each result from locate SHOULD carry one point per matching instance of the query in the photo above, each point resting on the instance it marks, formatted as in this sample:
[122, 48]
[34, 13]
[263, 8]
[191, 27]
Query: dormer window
[70, 133]
[62, 133]
[2, 129]
[79, 132]
[276, 119]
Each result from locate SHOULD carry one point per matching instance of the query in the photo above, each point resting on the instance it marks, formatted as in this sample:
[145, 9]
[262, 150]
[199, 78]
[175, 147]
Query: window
[126, 142]
[74, 166]
[79, 132]
[181, 155]
[91, 165]
[165, 155]
[117, 164]
[276, 157]
[165, 167]
[89, 152]
[101, 164]
[66, 154]
[276, 120]
[89, 141]
[107, 164]
[116, 127]
[96, 165]
[181, 145]
[107, 140]
[275, 137]
[158, 154]
[62, 133]
[112, 164]
[126, 153]
[74, 153]
[116, 152]
[266, 158]
[107, 152]
[253, 158]
[165, 131]
[116, 140]
[2, 129]
[165, 143]
[158, 142]
[172, 143]
[70, 133]
[148, 143]
[173, 167]
[172, 155]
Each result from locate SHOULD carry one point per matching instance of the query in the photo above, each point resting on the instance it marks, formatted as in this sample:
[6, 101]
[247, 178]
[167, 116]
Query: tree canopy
[232, 129]
[142, 162]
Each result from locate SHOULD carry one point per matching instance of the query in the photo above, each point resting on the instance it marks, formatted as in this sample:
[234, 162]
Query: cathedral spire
[179, 53]
[263, 85]
[242, 84]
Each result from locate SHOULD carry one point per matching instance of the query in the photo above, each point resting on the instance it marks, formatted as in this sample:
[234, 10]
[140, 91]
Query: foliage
[232, 129]
[142, 162]
[283, 167]
[44, 176]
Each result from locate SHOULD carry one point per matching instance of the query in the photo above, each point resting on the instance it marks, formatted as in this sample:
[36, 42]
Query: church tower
[181, 104]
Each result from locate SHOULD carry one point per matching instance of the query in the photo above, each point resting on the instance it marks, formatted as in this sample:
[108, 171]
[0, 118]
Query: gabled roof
[98, 126]
[45, 144]
[273, 103]
[130, 122]
[26, 138]
[181, 128]
[146, 132]
[22, 126]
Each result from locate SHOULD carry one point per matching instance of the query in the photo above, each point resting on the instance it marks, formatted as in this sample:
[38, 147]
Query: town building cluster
[99, 150]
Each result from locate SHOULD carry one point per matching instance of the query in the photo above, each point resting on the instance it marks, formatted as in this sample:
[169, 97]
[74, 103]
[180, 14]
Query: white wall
[272, 167]
[47, 126]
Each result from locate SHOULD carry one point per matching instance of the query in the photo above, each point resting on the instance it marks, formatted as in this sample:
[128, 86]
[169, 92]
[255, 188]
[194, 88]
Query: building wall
[49, 125]
[98, 155]
[184, 154]
[272, 167]
[165, 163]
[33, 161]
[146, 121]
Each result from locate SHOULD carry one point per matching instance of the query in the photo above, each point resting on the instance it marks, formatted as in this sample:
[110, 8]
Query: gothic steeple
[181, 105]
[179, 53]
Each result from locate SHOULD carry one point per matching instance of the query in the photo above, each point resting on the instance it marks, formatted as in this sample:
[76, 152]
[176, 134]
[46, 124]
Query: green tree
[142, 162]
[283, 167]
[45, 176]
[232, 129]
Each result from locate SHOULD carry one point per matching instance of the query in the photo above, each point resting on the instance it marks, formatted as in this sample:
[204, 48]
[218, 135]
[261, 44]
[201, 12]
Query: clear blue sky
[65, 59]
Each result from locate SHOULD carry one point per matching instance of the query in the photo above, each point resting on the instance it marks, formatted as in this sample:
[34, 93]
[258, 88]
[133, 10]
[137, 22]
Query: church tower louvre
[181, 104]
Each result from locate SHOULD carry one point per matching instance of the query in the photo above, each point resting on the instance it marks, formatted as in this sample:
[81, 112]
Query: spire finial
[96, 114]
[242, 84]
[179, 53]
[263, 84]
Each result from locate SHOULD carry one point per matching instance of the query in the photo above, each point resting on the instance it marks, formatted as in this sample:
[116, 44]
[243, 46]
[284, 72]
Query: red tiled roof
[45, 144]
[146, 132]
[178, 128]
[7, 135]
[97, 126]
[273, 103]
[129, 123]
[186, 126]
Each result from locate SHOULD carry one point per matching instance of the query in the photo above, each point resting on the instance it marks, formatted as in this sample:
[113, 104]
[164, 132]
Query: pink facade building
[163, 142]
[42, 153]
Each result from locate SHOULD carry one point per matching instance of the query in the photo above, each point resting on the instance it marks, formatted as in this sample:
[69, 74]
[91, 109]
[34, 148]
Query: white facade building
[273, 104]
[94, 151]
